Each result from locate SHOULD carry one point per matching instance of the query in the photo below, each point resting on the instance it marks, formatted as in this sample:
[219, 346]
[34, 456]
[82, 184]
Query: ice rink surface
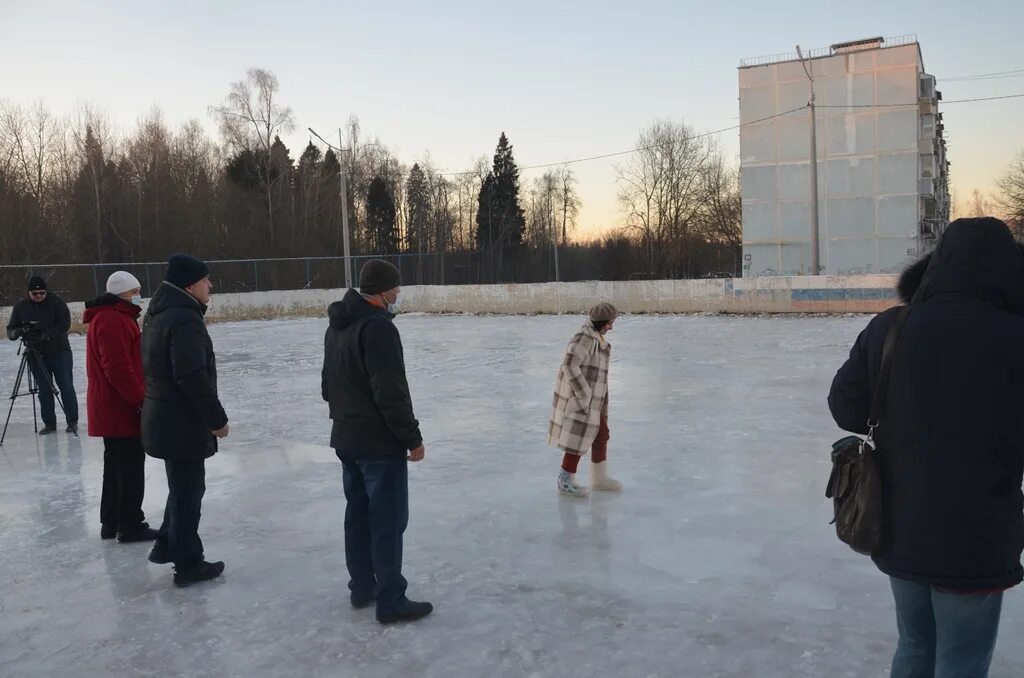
[717, 560]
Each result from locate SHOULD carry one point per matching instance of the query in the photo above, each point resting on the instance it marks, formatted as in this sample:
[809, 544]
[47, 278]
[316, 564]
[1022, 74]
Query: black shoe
[108, 532]
[160, 554]
[141, 533]
[47, 430]
[201, 572]
[361, 601]
[406, 611]
[72, 428]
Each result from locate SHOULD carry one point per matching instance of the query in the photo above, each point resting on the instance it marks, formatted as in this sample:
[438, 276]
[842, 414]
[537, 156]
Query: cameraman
[43, 320]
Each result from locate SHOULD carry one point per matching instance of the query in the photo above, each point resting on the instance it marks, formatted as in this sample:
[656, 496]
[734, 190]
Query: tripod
[28, 353]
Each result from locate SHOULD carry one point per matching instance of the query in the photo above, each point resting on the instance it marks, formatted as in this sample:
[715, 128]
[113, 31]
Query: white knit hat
[120, 282]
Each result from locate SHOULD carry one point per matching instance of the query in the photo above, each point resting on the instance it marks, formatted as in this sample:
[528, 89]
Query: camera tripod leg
[15, 393]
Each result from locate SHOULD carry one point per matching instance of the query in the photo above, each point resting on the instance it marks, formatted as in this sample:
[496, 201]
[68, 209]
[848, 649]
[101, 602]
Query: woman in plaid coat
[579, 421]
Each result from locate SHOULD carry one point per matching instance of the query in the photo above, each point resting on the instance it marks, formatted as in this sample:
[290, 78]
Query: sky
[562, 80]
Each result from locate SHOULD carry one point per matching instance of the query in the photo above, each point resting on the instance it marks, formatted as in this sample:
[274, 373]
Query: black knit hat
[378, 276]
[36, 283]
[184, 270]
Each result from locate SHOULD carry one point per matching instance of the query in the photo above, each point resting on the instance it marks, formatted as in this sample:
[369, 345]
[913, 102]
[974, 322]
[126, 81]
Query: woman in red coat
[113, 363]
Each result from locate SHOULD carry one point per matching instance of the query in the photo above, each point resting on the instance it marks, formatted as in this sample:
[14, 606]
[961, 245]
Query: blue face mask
[137, 299]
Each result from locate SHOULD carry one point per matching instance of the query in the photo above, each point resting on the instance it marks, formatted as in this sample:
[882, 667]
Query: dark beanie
[36, 283]
[378, 276]
[184, 270]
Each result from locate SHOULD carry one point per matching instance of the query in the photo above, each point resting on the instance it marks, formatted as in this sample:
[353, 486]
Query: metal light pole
[815, 238]
[343, 187]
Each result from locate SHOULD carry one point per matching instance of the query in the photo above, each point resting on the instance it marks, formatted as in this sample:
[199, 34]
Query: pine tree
[500, 219]
[381, 217]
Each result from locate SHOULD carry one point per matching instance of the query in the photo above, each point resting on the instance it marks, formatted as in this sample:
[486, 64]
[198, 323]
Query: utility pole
[815, 237]
[344, 211]
[343, 187]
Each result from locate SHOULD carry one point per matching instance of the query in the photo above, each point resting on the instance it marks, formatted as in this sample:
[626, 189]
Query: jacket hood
[351, 308]
[910, 279]
[111, 302]
[168, 296]
[979, 258]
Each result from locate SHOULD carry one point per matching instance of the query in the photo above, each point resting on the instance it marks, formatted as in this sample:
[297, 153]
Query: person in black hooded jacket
[951, 447]
[182, 416]
[374, 433]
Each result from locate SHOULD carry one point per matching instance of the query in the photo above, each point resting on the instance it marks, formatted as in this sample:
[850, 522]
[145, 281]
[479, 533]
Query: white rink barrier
[805, 294]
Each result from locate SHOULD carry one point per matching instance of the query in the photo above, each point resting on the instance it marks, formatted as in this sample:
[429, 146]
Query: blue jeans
[376, 515]
[56, 367]
[944, 635]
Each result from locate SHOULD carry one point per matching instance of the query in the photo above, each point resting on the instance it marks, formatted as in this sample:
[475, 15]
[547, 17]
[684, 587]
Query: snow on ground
[718, 559]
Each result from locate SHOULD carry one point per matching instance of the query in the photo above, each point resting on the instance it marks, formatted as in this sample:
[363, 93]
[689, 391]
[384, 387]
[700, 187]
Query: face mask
[396, 304]
[137, 299]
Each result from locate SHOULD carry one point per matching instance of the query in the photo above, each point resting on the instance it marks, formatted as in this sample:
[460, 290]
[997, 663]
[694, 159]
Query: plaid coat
[581, 392]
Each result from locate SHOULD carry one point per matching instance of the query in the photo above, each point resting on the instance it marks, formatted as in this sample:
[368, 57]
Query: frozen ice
[717, 560]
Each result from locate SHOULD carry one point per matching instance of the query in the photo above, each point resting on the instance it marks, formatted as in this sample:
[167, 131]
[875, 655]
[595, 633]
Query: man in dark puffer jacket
[951, 442]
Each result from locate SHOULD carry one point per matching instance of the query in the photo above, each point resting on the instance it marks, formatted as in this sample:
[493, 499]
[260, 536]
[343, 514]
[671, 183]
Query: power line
[986, 76]
[639, 148]
[616, 154]
[952, 101]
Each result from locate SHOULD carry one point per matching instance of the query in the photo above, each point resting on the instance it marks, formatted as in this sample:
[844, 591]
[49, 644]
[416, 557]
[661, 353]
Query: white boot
[599, 479]
[567, 484]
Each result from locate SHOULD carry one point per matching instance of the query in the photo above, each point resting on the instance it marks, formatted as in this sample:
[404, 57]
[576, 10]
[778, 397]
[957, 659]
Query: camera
[28, 331]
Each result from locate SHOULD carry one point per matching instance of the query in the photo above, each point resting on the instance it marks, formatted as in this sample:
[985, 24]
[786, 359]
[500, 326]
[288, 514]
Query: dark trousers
[56, 367]
[124, 483]
[186, 485]
[942, 634]
[376, 515]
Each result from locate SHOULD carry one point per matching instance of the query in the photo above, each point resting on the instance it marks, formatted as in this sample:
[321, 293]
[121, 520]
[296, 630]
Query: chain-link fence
[80, 282]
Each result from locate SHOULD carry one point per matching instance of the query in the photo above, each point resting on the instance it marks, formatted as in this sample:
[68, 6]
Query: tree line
[72, 190]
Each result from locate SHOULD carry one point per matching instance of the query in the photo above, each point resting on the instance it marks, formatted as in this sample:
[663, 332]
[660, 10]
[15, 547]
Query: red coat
[113, 365]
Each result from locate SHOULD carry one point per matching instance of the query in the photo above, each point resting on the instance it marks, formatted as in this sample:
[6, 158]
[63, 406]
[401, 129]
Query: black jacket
[951, 438]
[181, 409]
[50, 335]
[364, 381]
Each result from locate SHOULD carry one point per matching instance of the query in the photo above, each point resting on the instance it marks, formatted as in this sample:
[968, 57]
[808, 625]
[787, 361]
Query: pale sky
[563, 81]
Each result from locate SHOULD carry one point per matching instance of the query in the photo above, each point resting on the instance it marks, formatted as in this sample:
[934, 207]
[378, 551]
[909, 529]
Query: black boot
[72, 428]
[141, 533]
[201, 572]
[406, 611]
[108, 532]
[47, 430]
[160, 553]
[361, 601]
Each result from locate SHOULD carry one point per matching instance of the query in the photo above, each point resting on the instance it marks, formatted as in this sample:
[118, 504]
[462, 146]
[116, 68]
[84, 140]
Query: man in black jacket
[43, 319]
[374, 434]
[182, 417]
[951, 444]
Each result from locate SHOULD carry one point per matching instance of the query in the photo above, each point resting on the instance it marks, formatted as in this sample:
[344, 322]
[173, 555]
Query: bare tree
[250, 119]
[1011, 192]
[569, 200]
[661, 190]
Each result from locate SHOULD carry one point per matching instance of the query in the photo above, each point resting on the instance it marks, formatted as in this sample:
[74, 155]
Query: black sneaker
[72, 428]
[160, 554]
[361, 601]
[47, 430]
[201, 572]
[405, 611]
[108, 532]
[141, 533]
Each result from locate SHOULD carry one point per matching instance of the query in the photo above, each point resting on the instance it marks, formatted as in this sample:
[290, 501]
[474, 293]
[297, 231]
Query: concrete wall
[801, 294]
